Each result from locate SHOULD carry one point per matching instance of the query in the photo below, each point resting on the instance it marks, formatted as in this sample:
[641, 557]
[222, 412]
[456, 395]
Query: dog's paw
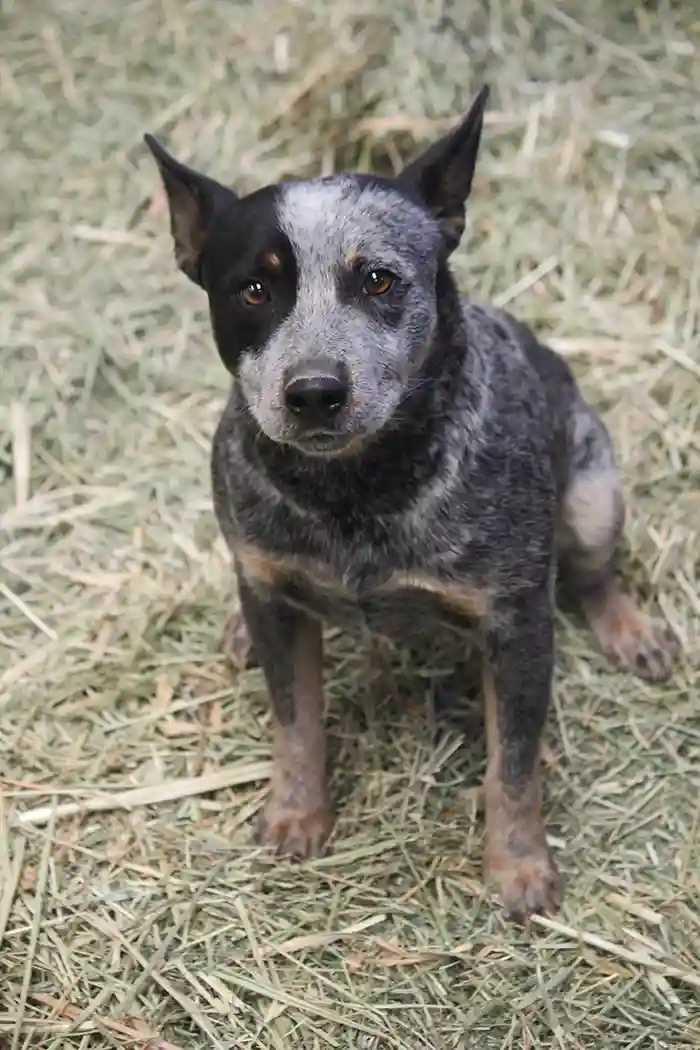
[236, 642]
[647, 646]
[296, 833]
[528, 884]
[651, 650]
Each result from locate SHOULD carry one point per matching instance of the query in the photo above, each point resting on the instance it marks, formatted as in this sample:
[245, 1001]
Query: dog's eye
[254, 293]
[378, 282]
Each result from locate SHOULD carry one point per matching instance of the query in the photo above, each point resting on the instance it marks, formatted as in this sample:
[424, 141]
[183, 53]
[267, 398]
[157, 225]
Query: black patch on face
[248, 245]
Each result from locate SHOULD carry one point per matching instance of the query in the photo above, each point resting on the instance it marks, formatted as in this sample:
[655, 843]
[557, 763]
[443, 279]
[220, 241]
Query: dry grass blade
[187, 1004]
[681, 357]
[26, 611]
[42, 877]
[312, 1007]
[10, 882]
[635, 908]
[21, 451]
[137, 1036]
[309, 941]
[638, 958]
[246, 773]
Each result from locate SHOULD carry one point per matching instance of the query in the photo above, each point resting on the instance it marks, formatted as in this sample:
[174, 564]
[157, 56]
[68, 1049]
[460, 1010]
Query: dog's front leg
[517, 686]
[288, 646]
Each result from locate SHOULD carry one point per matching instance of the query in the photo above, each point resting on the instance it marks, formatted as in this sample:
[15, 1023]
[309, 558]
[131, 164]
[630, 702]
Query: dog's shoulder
[532, 394]
[524, 365]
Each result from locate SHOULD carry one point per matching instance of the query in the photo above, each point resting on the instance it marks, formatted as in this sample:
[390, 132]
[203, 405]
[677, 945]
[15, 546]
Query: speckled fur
[465, 469]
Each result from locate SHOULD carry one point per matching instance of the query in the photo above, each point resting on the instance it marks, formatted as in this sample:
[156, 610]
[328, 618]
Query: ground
[156, 924]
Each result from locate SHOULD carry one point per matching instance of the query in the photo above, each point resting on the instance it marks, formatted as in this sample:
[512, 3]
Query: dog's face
[323, 292]
[322, 298]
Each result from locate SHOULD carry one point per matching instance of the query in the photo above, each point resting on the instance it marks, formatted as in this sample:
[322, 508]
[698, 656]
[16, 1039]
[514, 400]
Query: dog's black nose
[315, 397]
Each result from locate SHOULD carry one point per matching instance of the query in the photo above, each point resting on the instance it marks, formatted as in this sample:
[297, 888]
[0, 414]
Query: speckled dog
[394, 455]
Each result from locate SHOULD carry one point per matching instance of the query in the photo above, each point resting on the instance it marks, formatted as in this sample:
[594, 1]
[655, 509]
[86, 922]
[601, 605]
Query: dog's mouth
[327, 443]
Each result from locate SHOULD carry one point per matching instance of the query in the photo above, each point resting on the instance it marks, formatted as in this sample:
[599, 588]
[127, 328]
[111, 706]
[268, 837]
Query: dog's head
[323, 292]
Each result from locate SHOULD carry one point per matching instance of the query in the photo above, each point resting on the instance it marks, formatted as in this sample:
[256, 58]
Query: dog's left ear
[443, 174]
[194, 200]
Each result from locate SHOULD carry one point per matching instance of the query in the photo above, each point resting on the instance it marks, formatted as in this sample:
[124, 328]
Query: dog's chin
[328, 445]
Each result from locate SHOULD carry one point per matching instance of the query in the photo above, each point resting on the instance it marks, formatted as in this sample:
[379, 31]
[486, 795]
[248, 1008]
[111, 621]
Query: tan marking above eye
[272, 262]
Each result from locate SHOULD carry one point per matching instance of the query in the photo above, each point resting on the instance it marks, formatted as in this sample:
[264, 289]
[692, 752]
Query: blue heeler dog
[396, 456]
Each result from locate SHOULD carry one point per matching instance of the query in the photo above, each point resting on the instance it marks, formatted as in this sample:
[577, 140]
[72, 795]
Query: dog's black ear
[443, 174]
[193, 200]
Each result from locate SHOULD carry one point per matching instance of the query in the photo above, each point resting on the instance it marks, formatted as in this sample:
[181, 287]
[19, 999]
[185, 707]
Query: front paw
[294, 831]
[526, 878]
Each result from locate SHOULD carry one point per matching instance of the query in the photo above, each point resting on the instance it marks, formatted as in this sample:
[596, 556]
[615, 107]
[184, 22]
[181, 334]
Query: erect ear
[193, 200]
[443, 174]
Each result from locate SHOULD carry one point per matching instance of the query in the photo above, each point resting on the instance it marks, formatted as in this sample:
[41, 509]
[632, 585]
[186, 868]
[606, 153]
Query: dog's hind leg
[591, 523]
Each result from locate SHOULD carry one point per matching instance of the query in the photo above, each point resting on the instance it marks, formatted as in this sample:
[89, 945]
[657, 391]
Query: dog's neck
[401, 457]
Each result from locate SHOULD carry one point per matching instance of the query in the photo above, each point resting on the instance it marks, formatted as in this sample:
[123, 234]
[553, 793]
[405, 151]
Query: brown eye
[378, 282]
[253, 293]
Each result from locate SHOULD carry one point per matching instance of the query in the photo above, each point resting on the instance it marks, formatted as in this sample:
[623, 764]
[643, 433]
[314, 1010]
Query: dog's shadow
[381, 690]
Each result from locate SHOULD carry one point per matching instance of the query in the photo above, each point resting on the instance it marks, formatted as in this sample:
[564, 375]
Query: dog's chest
[403, 605]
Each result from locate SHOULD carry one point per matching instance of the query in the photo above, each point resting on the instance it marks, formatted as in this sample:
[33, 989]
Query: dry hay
[159, 925]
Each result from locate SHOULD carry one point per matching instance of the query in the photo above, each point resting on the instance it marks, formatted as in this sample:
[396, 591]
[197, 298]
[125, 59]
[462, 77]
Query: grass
[134, 911]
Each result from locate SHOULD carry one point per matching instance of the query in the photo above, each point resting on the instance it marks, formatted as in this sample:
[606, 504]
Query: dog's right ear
[193, 200]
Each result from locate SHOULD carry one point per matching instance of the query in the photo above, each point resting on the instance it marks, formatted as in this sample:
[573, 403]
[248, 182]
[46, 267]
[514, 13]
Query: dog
[395, 455]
